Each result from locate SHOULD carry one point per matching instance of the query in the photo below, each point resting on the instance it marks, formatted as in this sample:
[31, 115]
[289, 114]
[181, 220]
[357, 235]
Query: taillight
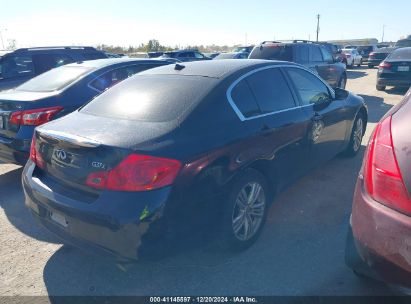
[383, 179]
[34, 117]
[34, 155]
[136, 173]
[385, 65]
[372, 54]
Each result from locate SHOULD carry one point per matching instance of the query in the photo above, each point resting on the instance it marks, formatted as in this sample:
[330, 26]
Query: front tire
[245, 210]
[357, 134]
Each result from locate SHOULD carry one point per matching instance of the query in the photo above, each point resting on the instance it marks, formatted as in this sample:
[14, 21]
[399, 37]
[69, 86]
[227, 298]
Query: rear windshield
[272, 52]
[152, 98]
[364, 48]
[55, 79]
[401, 54]
[403, 43]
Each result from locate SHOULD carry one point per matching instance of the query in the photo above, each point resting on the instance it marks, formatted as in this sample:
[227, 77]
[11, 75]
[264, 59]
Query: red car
[379, 239]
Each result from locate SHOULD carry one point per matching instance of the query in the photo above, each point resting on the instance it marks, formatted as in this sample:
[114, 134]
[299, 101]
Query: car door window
[271, 90]
[113, 77]
[327, 55]
[315, 54]
[198, 56]
[45, 62]
[303, 53]
[244, 99]
[311, 89]
[16, 66]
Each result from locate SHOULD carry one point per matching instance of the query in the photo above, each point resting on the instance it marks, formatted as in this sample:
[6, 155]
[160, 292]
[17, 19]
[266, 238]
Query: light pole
[318, 25]
[383, 33]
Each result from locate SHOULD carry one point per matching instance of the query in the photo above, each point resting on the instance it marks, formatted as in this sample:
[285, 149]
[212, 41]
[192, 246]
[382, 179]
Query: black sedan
[378, 56]
[146, 158]
[56, 93]
[395, 70]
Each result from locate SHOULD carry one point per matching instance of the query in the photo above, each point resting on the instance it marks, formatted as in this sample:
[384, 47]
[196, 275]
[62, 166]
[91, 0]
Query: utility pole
[318, 25]
[383, 33]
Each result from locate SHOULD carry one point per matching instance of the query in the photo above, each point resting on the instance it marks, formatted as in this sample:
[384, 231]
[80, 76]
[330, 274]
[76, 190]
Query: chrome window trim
[232, 86]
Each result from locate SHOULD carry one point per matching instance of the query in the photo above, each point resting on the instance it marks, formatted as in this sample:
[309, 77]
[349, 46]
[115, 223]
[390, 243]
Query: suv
[23, 64]
[185, 55]
[309, 54]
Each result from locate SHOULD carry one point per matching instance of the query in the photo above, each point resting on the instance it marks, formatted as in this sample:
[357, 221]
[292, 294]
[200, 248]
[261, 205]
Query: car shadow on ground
[353, 74]
[301, 247]
[12, 202]
[376, 107]
[396, 91]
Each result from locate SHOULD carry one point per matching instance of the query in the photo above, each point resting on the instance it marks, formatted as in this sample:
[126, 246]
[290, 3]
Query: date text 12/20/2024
[203, 300]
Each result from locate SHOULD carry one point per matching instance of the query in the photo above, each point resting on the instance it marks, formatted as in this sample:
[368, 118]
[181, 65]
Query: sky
[206, 22]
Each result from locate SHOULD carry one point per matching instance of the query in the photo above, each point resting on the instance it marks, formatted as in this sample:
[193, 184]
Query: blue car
[54, 94]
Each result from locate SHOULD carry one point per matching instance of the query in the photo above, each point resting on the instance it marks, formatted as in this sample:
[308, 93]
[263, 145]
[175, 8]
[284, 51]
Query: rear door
[328, 125]
[284, 122]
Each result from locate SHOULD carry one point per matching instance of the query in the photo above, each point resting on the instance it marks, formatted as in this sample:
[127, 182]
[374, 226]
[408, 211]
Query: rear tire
[380, 87]
[245, 210]
[357, 134]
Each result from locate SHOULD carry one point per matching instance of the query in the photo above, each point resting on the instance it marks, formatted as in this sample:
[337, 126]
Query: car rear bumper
[14, 150]
[401, 82]
[382, 238]
[115, 224]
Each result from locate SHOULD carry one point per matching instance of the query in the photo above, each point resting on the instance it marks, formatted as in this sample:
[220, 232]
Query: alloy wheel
[249, 210]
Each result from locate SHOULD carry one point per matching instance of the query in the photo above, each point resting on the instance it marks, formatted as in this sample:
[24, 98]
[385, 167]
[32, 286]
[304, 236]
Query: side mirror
[341, 94]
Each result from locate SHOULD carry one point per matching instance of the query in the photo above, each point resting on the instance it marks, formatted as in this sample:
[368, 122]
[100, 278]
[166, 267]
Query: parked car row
[120, 152]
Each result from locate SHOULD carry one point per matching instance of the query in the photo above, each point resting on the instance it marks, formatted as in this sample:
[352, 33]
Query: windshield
[401, 54]
[55, 79]
[403, 43]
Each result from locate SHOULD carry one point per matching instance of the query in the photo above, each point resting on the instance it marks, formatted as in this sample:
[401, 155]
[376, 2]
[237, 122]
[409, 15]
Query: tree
[153, 46]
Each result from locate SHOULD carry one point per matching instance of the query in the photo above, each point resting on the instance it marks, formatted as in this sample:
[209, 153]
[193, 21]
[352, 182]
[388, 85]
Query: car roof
[100, 63]
[211, 68]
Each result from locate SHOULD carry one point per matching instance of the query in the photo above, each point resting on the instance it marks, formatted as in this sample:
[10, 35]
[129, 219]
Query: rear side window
[113, 77]
[273, 52]
[16, 66]
[245, 100]
[303, 52]
[262, 92]
[151, 98]
[55, 79]
[309, 87]
[45, 62]
[327, 55]
[271, 90]
[93, 55]
[315, 54]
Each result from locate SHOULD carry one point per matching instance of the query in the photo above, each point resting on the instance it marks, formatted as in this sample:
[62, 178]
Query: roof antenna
[179, 67]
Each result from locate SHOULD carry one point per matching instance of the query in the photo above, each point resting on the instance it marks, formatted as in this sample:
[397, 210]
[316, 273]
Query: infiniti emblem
[60, 154]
